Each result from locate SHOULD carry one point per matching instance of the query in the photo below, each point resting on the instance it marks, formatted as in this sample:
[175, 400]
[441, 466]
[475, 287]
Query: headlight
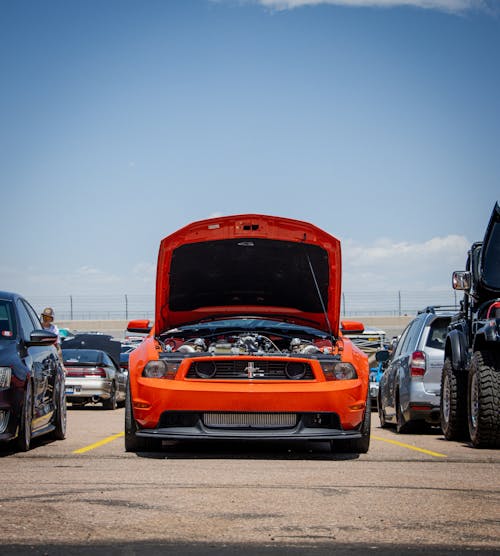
[5, 375]
[338, 370]
[161, 368]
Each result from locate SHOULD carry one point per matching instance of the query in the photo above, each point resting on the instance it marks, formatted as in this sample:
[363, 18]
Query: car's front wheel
[135, 443]
[357, 445]
[25, 426]
[60, 414]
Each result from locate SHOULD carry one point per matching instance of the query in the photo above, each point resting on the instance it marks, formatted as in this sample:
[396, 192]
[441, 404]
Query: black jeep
[470, 383]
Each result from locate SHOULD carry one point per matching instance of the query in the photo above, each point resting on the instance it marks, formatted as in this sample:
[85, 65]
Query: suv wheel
[453, 410]
[484, 400]
[402, 426]
[381, 412]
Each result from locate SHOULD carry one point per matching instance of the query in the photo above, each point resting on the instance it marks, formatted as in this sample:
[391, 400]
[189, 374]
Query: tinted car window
[437, 333]
[107, 360]
[7, 321]
[27, 325]
[34, 317]
[411, 337]
[82, 355]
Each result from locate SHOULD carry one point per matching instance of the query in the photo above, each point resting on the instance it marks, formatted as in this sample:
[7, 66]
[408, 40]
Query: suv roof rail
[436, 308]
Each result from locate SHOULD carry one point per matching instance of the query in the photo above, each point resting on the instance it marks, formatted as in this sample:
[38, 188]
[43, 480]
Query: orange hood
[252, 265]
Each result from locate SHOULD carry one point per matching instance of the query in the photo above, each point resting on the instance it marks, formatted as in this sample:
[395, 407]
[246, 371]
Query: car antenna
[318, 291]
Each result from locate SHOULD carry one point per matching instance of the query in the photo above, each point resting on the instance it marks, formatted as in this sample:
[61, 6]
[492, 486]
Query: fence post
[71, 307]
[126, 307]
[399, 302]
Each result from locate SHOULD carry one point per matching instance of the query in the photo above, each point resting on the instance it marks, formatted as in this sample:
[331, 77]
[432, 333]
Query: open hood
[249, 265]
[490, 256]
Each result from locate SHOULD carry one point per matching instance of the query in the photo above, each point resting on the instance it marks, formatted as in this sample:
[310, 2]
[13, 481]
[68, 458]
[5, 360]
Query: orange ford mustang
[247, 342]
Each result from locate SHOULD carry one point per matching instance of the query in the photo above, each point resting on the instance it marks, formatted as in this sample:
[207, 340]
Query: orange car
[247, 342]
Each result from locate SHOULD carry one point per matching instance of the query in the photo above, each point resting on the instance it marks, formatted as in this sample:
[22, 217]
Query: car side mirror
[141, 326]
[352, 327]
[382, 356]
[461, 280]
[42, 338]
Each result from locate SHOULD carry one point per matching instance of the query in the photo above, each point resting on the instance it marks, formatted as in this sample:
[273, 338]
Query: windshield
[246, 324]
[7, 321]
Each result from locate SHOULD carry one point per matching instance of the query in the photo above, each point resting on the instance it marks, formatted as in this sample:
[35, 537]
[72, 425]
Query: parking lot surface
[411, 494]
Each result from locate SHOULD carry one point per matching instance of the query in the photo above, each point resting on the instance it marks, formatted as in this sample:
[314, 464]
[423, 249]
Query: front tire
[135, 443]
[484, 400]
[356, 445]
[61, 414]
[24, 436]
[452, 403]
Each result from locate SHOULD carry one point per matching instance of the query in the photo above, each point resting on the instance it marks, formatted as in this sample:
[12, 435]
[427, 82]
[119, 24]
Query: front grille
[238, 369]
[254, 420]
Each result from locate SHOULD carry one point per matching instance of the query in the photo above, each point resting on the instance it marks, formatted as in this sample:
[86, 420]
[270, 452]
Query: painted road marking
[410, 447]
[98, 444]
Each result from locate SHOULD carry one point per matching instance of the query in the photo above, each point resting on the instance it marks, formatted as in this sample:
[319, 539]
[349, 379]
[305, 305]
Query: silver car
[409, 390]
[92, 376]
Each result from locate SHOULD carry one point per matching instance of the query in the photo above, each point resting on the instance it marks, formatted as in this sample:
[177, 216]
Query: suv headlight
[161, 368]
[338, 370]
[5, 376]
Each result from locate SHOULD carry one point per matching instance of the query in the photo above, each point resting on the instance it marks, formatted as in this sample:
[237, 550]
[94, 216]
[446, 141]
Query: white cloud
[387, 264]
[445, 5]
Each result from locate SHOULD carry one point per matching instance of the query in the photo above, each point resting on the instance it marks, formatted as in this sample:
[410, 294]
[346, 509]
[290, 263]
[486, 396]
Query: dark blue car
[32, 392]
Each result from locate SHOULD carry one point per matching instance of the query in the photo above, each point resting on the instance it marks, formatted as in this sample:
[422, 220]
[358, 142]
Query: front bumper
[308, 427]
[152, 397]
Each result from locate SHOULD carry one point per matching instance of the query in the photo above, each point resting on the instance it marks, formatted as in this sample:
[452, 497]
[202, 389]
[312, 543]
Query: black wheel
[484, 399]
[110, 403]
[24, 435]
[453, 402]
[381, 412]
[135, 443]
[402, 426]
[356, 445]
[60, 414]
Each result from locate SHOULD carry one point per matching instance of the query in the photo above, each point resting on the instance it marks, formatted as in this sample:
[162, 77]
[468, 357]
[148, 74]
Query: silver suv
[409, 391]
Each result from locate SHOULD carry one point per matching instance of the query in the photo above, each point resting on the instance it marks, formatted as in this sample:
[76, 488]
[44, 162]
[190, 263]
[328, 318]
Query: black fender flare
[456, 349]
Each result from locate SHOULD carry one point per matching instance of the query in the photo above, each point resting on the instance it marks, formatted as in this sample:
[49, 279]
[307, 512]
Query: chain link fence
[137, 306]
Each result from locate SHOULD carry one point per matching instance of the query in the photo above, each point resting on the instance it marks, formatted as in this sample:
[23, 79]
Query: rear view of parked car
[409, 390]
[93, 373]
[32, 393]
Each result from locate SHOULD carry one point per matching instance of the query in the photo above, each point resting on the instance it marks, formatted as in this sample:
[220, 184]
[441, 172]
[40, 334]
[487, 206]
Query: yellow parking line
[98, 444]
[423, 450]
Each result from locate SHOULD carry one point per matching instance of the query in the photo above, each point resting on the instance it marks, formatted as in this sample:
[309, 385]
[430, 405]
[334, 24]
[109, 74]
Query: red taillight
[417, 363]
[85, 371]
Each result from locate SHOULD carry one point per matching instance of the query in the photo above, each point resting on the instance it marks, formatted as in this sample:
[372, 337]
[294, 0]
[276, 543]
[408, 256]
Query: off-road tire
[110, 403]
[135, 443]
[484, 399]
[60, 421]
[356, 445]
[23, 440]
[453, 403]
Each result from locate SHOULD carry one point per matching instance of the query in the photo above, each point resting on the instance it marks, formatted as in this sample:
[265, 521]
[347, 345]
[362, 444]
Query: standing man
[48, 324]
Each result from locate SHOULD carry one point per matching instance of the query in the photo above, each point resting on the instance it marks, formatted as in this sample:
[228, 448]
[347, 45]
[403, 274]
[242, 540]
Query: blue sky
[123, 120]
